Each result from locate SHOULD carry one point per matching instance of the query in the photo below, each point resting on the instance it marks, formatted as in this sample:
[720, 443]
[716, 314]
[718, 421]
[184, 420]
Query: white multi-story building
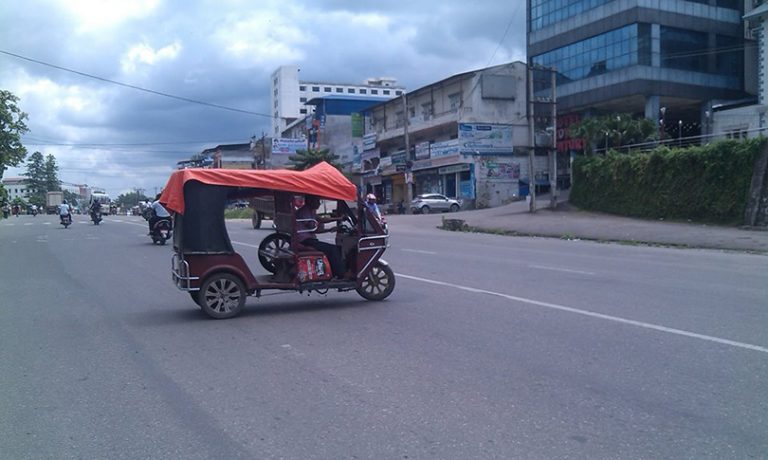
[288, 101]
[16, 187]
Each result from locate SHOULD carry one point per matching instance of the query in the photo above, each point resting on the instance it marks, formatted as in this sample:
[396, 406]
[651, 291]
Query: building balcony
[423, 123]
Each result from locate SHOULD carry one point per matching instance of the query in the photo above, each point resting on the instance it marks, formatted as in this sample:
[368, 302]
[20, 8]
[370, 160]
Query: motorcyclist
[65, 210]
[34, 209]
[370, 203]
[6, 210]
[157, 213]
[95, 209]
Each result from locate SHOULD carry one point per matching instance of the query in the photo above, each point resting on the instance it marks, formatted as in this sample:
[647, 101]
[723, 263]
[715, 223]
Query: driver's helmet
[371, 198]
[64, 202]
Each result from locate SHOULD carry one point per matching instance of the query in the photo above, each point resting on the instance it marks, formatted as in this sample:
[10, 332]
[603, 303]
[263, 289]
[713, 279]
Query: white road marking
[246, 244]
[558, 269]
[419, 251]
[592, 314]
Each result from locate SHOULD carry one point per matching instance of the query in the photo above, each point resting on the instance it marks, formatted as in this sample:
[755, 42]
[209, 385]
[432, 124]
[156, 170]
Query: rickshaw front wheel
[378, 284]
[222, 295]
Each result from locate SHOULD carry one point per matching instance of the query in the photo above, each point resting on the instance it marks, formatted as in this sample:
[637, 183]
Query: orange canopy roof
[322, 180]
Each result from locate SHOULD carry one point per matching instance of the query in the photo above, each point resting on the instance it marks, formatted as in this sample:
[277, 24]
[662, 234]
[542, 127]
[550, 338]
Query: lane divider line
[592, 314]
[558, 269]
[419, 251]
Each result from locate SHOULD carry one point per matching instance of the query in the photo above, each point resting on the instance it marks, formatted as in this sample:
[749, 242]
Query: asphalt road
[491, 347]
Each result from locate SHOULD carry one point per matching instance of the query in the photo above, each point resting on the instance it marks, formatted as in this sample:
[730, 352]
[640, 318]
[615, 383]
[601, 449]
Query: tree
[305, 159]
[35, 174]
[51, 174]
[42, 177]
[12, 127]
[614, 131]
[128, 200]
[72, 198]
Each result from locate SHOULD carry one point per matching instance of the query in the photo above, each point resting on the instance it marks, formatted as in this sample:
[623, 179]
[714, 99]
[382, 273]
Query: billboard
[485, 139]
[285, 146]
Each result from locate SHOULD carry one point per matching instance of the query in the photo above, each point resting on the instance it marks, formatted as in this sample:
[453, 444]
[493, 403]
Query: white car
[428, 202]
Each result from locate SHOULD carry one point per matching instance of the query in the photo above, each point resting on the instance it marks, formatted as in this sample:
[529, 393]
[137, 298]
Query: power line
[138, 88]
[509, 24]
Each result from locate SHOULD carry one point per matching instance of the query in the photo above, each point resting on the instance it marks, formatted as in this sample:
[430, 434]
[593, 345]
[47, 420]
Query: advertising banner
[422, 150]
[485, 139]
[357, 124]
[369, 141]
[285, 146]
[444, 148]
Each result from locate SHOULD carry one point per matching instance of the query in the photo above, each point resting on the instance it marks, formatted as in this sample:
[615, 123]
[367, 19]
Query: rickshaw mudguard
[201, 266]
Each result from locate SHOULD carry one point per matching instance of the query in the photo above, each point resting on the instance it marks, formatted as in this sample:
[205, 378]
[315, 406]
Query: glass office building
[640, 55]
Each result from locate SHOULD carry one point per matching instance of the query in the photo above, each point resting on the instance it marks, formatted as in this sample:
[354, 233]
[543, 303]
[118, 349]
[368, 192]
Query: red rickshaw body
[218, 278]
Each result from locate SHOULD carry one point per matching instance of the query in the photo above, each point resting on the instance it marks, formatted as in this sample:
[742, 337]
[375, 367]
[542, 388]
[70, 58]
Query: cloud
[220, 52]
[92, 16]
[143, 53]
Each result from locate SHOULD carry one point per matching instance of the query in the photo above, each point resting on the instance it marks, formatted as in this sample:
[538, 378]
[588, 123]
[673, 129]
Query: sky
[119, 91]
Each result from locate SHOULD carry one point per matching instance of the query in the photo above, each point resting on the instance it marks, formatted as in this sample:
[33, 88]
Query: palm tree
[305, 159]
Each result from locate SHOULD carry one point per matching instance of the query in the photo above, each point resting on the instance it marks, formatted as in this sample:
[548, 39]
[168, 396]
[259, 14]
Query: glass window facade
[684, 49]
[730, 55]
[596, 55]
[547, 12]
[544, 13]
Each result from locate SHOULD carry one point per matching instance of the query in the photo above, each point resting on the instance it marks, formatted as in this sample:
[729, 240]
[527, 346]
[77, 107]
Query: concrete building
[336, 124]
[16, 187]
[466, 137]
[668, 60]
[289, 97]
[744, 119]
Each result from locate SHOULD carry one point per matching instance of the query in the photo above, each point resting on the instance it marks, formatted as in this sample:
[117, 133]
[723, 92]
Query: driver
[95, 207]
[65, 210]
[158, 213]
[308, 238]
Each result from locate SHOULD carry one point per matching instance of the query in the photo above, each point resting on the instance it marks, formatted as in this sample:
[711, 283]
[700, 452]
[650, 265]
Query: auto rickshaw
[218, 279]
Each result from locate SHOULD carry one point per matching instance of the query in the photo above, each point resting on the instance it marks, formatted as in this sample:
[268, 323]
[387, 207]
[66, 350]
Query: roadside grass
[242, 213]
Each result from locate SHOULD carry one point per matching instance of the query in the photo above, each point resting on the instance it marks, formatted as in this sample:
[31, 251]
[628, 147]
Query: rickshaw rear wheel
[378, 284]
[222, 295]
[272, 242]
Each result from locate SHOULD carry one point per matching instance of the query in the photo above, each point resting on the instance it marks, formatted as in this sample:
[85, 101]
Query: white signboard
[484, 139]
[284, 146]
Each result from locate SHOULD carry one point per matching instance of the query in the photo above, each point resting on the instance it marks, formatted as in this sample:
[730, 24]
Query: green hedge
[708, 183]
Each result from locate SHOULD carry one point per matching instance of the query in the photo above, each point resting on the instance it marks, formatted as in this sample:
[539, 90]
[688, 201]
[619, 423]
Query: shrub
[707, 183]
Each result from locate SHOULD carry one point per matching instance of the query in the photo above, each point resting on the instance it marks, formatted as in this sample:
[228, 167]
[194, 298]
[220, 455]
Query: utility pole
[264, 151]
[407, 172]
[553, 174]
[532, 142]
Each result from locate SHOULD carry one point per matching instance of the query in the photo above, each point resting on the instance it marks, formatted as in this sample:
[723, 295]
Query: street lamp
[663, 110]
[679, 133]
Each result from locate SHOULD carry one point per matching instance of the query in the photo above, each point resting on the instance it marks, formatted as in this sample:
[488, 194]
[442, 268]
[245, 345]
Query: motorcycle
[162, 231]
[66, 220]
[34, 213]
[96, 217]
[5, 213]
